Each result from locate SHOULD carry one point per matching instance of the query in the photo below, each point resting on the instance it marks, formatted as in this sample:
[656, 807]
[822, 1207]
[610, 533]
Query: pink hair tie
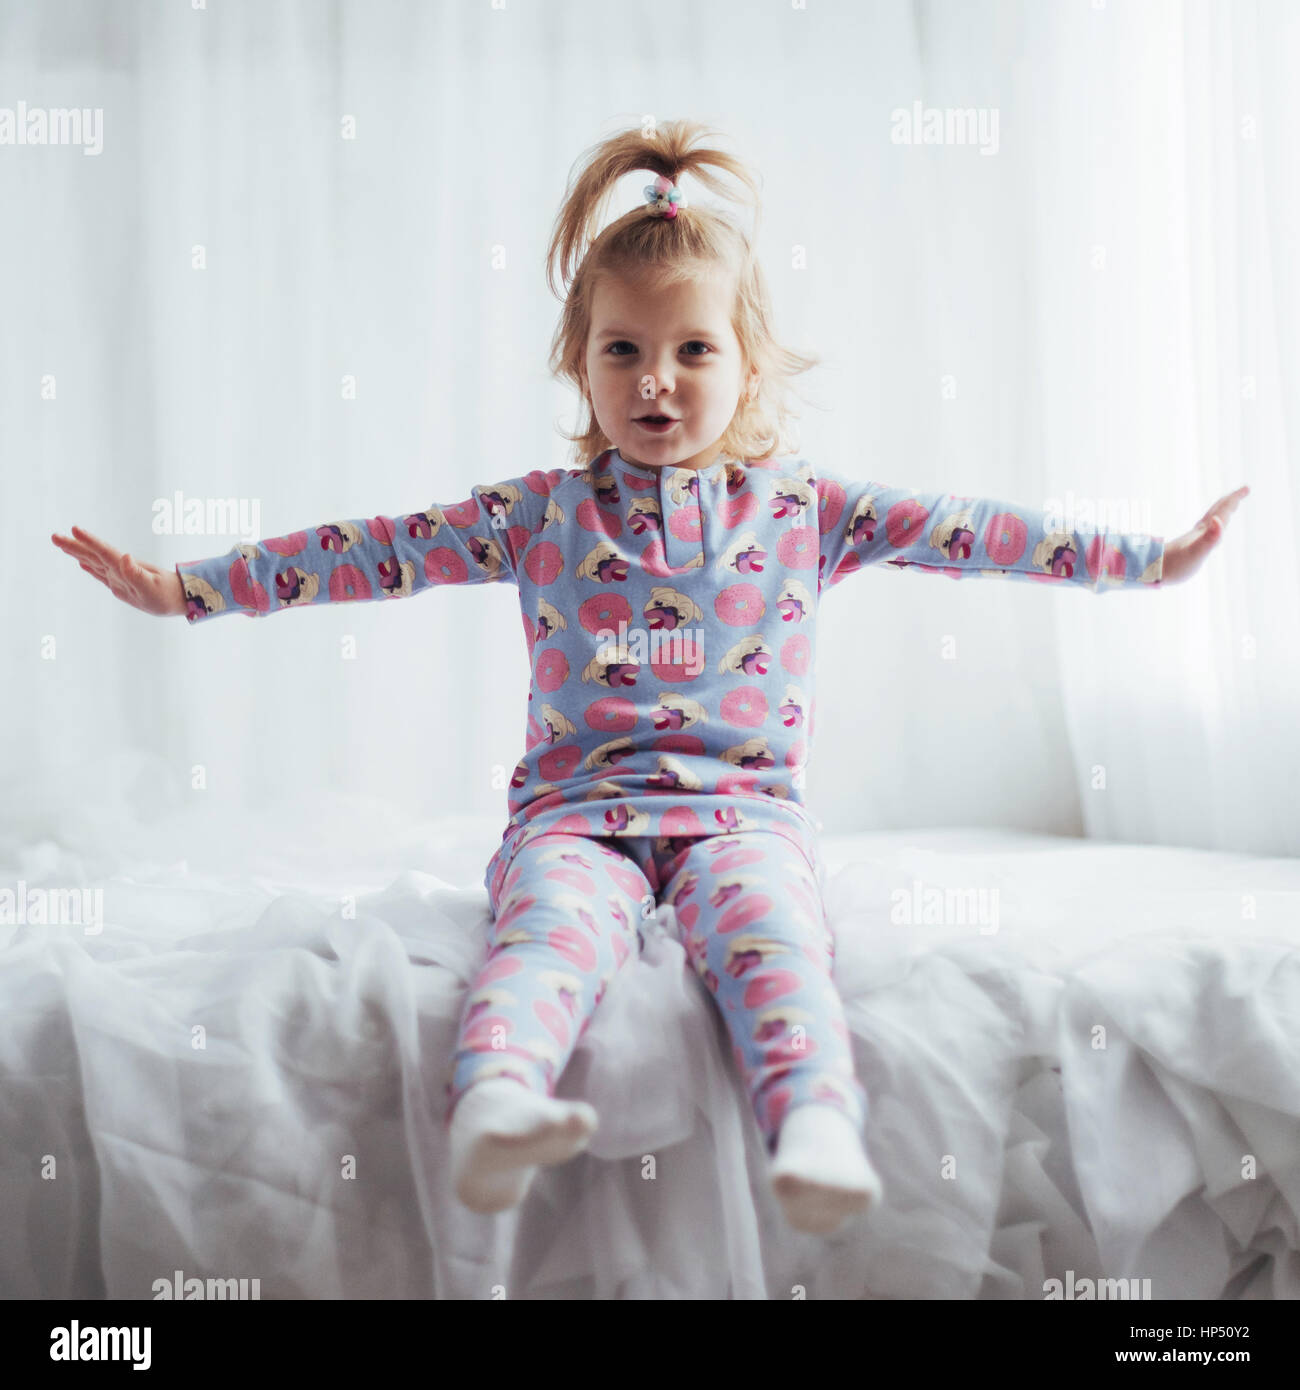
[664, 197]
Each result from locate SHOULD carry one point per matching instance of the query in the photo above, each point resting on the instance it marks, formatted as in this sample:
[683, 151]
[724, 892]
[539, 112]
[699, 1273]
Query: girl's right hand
[143, 586]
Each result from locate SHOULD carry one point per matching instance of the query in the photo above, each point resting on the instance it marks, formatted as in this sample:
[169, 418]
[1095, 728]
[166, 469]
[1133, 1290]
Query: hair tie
[664, 197]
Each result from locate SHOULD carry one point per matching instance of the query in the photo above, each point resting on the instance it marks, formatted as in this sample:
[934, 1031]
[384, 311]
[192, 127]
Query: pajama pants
[568, 911]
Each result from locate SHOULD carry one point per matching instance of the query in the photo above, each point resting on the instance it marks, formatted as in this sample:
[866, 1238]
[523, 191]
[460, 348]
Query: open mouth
[657, 423]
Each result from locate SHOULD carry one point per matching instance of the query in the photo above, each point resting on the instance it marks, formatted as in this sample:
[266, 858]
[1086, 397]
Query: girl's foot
[502, 1132]
[820, 1172]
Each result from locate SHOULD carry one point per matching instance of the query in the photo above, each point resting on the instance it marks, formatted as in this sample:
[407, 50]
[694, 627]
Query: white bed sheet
[326, 1036]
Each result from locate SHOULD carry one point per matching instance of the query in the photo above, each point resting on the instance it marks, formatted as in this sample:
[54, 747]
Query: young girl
[670, 589]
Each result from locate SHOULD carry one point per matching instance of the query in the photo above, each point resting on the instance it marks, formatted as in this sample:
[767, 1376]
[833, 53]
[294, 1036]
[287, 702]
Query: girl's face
[682, 336]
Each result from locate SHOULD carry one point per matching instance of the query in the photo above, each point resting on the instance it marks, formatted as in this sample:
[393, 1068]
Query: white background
[1113, 295]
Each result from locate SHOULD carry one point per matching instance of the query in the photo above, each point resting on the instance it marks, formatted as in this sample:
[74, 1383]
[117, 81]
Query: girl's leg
[753, 925]
[565, 910]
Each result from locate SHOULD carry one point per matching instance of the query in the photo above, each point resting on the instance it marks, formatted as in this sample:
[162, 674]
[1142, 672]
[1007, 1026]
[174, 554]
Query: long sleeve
[478, 541]
[863, 523]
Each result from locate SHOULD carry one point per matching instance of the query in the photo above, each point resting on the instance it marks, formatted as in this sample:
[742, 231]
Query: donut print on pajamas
[670, 618]
[570, 910]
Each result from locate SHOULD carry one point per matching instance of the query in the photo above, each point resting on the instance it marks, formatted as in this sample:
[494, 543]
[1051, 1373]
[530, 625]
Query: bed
[1085, 1066]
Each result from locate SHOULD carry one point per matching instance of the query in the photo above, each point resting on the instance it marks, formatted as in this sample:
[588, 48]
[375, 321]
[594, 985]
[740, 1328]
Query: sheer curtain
[1166, 216]
[306, 271]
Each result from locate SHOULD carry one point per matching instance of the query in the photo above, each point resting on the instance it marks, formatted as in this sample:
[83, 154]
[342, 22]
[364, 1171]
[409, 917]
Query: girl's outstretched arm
[476, 541]
[939, 533]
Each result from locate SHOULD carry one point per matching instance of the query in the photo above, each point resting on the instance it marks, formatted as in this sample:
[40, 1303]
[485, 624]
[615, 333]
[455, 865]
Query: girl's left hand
[1183, 554]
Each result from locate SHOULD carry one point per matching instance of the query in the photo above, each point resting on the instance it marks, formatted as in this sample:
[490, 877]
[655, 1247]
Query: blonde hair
[668, 250]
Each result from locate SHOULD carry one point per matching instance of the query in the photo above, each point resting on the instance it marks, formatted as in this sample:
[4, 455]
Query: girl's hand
[1183, 555]
[143, 586]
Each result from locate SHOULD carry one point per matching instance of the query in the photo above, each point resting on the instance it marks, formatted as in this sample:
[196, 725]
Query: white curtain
[1166, 214]
[1104, 303]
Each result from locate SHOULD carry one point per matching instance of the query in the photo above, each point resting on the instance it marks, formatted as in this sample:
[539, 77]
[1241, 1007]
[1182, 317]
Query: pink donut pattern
[570, 910]
[670, 616]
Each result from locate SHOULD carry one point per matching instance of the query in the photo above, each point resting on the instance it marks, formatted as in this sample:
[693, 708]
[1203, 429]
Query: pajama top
[670, 615]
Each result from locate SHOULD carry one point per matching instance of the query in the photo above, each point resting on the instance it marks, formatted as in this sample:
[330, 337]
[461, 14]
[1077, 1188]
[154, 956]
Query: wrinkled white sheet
[303, 1144]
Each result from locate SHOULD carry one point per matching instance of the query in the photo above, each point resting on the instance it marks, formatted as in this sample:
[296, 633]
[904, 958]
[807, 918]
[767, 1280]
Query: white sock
[820, 1171]
[502, 1131]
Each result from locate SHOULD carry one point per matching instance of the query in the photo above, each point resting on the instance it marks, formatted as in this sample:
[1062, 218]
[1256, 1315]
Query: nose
[659, 376]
